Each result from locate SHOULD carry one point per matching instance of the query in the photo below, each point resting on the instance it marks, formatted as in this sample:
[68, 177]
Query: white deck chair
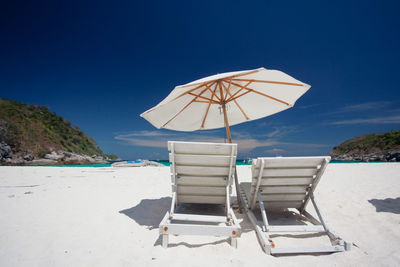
[288, 183]
[201, 173]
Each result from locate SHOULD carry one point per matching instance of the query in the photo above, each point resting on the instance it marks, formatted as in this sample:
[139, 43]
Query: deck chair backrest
[286, 182]
[202, 172]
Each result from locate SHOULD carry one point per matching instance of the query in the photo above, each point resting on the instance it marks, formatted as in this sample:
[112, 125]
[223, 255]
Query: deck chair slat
[282, 197]
[202, 199]
[201, 180]
[202, 171]
[202, 190]
[284, 189]
[201, 160]
[310, 250]
[296, 228]
[285, 181]
[293, 162]
[275, 172]
[199, 218]
[282, 204]
[201, 148]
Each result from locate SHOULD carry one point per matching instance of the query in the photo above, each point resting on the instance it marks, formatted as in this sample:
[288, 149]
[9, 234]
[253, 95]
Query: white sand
[55, 216]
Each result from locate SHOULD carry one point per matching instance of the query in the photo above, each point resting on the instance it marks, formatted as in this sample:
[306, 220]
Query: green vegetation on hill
[35, 130]
[371, 144]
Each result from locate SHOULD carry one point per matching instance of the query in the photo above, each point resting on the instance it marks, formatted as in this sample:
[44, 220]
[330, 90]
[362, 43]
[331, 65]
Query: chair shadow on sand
[150, 212]
[386, 205]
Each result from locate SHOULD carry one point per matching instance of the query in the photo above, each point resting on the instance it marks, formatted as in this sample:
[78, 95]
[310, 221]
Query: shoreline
[167, 164]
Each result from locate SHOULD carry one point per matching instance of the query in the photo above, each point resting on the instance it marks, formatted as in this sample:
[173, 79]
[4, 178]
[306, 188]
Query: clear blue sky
[100, 64]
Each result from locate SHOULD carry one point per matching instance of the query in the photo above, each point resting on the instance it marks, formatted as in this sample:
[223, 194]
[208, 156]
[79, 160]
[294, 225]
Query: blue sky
[100, 64]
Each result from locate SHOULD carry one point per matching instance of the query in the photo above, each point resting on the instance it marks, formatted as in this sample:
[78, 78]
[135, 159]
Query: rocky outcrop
[138, 163]
[64, 157]
[29, 133]
[5, 151]
[393, 156]
[371, 147]
[56, 157]
[28, 157]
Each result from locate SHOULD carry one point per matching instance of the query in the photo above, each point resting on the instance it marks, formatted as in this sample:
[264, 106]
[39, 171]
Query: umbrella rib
[187, 92]
[215, 102]
[240, 108]
[243, 74]
[188, 104]
[191, 90]
[208, 108]
[202, 101]
[232, 96]
[237, 75]
[226, 89]
[257, 92]
[273, 82]
[213, 93]
[245, 93]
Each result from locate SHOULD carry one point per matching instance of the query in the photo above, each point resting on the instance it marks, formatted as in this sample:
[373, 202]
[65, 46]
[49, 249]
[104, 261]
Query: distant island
[370, 147]
[31, 134]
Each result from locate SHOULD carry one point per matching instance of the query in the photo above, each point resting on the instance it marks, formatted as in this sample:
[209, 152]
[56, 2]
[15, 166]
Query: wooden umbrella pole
[228, 134]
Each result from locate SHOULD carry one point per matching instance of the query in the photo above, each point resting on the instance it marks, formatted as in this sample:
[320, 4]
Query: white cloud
[362, 107]
[282, 131]
[376, 120]
[274, 151]
[160, 138]
[309, 106]
[146, 133]
[246, 145]
[155, 139]
[246, 142]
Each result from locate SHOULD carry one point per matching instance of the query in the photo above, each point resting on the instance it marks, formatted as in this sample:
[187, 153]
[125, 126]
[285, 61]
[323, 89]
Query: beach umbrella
[226, 99]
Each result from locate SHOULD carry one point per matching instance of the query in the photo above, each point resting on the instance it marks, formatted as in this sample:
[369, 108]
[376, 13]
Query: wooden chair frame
[318, 225]
[191, 224]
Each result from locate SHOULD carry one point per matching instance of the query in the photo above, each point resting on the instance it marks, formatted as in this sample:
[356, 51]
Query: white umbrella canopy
[226, 99]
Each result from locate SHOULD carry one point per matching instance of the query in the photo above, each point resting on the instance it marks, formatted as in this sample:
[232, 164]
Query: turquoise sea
[164, 162]
[238, 162]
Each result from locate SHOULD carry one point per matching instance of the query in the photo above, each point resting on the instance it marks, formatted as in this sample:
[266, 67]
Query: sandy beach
[65, 216]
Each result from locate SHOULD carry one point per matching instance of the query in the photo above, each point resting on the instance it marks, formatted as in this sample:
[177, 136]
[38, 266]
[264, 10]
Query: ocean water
[238, 162]
[163, 162]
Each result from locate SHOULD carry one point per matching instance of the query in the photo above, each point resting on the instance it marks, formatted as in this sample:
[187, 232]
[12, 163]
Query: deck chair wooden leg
[336, 240]
[239, 199]
[162, 231]
[173, 202]
[262, 236]
[331, 235]
[165, 240]
[234, 242]
[263, 213]
[321, 218]
[310, 218]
